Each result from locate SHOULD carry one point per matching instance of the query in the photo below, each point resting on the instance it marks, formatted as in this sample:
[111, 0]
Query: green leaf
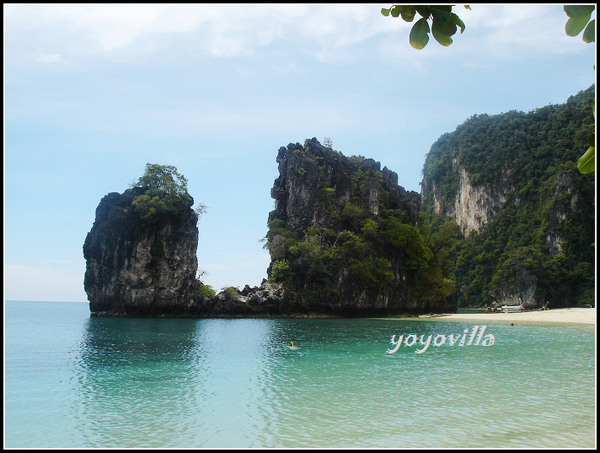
[440, 37]
[458, 22]
[578, 10]
[385, 11]
[587, 163]
[423, 10]
[396, 11]
[589, 35]
[441, 13]
[575, 25]
[408, 13]
[441, 28]
[419, 35]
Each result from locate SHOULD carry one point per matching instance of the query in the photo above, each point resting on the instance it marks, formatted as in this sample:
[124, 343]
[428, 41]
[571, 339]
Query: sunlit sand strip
[559, 315]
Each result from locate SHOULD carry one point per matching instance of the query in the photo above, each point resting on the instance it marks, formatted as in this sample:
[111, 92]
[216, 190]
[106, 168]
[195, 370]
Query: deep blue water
[72, 381]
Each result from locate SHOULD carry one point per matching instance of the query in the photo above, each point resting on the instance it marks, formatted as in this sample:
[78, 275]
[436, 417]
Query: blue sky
[93, 92]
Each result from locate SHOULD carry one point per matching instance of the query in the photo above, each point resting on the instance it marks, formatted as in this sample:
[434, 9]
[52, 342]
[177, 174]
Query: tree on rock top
[164, 194]
[163, 177]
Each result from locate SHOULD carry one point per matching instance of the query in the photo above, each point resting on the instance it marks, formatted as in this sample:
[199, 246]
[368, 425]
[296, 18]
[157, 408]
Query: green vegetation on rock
[343, 241]
[164, 194]
[541, 236]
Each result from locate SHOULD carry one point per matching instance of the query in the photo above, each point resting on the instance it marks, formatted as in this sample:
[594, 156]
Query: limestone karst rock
[526, 213]
[344, 228]
[137, 269]
[343, 236]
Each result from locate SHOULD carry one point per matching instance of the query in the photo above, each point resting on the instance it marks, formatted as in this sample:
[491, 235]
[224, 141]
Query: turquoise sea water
[74, 381]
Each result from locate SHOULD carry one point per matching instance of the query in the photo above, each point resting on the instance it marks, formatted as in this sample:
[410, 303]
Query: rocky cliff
[473, 206]
[313, 178]
[137, 268]
[511, 183]
[343, 237]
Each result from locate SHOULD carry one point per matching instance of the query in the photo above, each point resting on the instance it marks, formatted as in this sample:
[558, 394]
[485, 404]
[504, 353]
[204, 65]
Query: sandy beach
[559, 315]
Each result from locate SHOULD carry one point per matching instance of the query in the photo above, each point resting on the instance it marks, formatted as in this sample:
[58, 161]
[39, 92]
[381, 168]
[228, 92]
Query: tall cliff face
[511, 183]
[315, 182]
[473, 206]
[343, 237]
[135, 268]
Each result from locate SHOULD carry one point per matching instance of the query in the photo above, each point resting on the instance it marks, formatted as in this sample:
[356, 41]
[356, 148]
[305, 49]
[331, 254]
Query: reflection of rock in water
[165, 383]
[133, 377]
[110, 341]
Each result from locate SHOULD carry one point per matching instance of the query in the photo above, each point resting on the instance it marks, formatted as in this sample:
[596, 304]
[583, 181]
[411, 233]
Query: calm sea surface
[74, 381]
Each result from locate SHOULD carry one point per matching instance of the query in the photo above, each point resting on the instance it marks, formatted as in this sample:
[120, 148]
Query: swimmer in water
[291, 346]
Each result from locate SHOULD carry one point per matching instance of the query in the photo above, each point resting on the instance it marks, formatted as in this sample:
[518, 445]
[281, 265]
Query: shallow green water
[75, 381]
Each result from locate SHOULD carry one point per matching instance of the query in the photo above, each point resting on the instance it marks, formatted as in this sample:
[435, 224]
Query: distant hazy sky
[93, 92]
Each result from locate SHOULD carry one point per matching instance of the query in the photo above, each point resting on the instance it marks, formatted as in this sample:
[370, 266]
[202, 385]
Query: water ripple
[234, 384]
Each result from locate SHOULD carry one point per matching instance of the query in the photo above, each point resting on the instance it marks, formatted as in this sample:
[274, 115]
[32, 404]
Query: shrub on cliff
[206, 290]
[165, 194]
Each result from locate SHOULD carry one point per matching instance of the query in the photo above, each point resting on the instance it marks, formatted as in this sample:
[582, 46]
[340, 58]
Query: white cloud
[493, 34]
[219, 30]
[513, 30]
[49, 58]
[329, 32]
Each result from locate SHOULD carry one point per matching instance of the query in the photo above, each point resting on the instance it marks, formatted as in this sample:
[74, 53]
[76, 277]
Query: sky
[94, 92]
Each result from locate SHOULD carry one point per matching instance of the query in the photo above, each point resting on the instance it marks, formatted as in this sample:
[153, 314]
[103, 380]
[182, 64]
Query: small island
[343, 240]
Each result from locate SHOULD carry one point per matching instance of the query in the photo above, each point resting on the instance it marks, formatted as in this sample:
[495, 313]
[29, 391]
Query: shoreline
[574, 315]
